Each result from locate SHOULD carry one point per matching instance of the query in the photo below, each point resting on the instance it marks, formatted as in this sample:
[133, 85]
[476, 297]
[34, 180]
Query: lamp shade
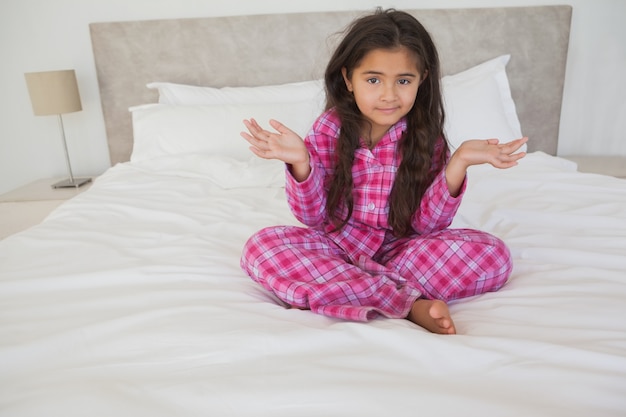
[53, 92]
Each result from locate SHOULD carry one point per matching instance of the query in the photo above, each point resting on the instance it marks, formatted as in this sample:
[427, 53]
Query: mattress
[128, 300]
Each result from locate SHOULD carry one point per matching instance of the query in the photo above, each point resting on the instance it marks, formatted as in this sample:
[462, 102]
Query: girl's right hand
[285, 145]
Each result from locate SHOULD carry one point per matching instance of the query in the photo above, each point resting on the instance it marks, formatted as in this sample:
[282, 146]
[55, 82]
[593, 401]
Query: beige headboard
[280, 48]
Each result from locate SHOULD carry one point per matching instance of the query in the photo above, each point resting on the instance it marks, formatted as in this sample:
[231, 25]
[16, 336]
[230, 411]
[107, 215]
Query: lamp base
[69, 183]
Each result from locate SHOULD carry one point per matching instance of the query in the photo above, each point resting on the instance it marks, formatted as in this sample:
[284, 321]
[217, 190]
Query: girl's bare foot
[433, 315]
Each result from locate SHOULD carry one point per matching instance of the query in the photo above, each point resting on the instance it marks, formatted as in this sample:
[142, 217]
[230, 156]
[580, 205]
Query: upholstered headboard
[280, 48]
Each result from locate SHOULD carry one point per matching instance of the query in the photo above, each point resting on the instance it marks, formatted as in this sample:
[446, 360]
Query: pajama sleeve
[307, 199]
[438, 207]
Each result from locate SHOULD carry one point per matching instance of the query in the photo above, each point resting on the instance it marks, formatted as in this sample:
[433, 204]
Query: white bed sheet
[129, 301]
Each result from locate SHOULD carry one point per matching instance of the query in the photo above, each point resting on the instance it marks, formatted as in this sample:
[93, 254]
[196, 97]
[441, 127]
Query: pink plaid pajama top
[362, 270]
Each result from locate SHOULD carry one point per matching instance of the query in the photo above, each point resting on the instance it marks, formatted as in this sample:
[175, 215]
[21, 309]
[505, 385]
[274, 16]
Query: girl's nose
[388, 92]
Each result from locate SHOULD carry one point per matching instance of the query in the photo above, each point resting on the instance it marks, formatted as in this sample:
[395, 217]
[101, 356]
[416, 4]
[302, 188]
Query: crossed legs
[414, 278]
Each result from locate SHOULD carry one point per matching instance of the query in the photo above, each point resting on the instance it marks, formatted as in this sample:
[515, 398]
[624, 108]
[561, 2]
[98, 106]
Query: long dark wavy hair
[421, 157]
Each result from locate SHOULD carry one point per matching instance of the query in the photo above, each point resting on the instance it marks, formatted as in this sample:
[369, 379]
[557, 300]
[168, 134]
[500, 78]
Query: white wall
[42, 35]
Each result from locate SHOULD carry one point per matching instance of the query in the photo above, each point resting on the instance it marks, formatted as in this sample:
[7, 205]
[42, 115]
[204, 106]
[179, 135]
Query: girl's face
[385, 86]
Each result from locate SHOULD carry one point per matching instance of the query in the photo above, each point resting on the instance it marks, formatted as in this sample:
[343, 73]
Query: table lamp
[56, 93]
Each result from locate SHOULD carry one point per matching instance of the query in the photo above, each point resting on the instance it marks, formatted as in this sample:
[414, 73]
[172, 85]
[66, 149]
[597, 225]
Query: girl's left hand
[481, 151]
[490, 151]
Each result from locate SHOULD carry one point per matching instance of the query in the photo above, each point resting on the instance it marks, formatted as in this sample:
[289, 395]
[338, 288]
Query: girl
[376, 185]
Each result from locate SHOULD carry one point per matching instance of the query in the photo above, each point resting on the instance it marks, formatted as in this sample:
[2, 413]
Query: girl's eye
[372, 80]
[404, 81]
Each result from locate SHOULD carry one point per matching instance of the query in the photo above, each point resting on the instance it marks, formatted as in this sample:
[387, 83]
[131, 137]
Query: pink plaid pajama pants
[306, 269]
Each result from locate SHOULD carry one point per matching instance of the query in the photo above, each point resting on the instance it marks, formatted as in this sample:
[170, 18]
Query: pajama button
[371, 206]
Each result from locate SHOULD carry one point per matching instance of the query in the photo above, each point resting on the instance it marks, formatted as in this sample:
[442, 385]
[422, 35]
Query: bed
[128, 300]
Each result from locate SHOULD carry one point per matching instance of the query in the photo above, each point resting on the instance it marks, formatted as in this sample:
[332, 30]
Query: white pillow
[161, 129]
[171, 93]
[479, 105]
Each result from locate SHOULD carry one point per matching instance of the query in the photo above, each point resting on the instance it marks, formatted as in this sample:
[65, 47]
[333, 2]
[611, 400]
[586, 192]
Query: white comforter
[129, 301]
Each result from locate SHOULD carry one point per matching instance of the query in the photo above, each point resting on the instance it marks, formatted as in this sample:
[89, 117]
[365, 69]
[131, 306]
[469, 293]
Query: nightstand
[608, 165]
[28, 205]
